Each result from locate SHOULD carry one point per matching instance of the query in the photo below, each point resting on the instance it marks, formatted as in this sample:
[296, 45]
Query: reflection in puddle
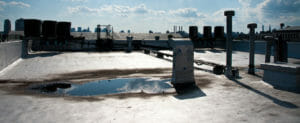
[113, 86]
[52, 87]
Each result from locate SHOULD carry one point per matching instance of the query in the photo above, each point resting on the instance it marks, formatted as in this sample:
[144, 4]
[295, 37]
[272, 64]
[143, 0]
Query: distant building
[104, 30]
[15, 35]
[19, 25]
[263, 34]
[242, 36]
[7, 26]
[86, 30]
[79, 29]
[290, 33]
[73, 30]
[97, 29]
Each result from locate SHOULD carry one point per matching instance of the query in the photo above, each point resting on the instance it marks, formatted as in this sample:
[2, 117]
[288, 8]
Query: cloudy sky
[156, 15]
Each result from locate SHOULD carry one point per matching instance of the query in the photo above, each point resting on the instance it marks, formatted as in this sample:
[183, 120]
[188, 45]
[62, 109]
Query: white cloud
[14, 3]
[217, 17]
[117, 9]
[271, 11]
[282, 6]
[114, 10]
[82, 9]
[76, 0]
[120, 10]
[158, 12]
[245, 3]
[19, 4]
[186, 12]
[141, 9]
[2, 3]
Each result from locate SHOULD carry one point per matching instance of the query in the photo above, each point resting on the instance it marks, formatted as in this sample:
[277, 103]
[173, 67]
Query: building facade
[19, 25]
[79, 29]
[7, 26]
[290, 33]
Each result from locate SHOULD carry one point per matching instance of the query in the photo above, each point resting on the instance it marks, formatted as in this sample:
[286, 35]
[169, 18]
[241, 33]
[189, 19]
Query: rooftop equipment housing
[63, 29]
[207, 32]
[32, 27]
[49, 28]
[219, 32]
[193, 33]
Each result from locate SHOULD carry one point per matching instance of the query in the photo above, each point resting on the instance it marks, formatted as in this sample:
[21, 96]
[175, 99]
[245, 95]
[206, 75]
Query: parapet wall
[10, 52]
[260, 48]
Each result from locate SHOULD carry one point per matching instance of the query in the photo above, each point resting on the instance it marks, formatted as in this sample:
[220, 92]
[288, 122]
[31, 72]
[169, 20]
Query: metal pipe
[229, 15]
[252, 27]
[98, 32]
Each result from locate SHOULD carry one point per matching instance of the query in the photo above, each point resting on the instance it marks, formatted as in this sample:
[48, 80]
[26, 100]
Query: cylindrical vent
[219, 32]
[32, 27]
[156, 38]
[207, 32]
[49, 28]
[193, 32]
[98, 30]
[281, 25]
[63, 29]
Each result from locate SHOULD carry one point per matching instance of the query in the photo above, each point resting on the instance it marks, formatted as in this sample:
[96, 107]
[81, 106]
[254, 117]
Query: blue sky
[156, 15]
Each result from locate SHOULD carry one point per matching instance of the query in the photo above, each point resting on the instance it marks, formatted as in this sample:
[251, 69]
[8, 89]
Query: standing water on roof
[105, 87]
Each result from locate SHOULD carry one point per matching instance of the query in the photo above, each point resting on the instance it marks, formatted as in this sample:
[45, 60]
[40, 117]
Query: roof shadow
[48, 54]
[188, 92]
[275, 100]
[290, 89]
[199, 51]
[216, 51]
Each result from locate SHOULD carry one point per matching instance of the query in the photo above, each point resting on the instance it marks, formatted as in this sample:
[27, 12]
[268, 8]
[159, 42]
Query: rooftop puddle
[106, 87]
